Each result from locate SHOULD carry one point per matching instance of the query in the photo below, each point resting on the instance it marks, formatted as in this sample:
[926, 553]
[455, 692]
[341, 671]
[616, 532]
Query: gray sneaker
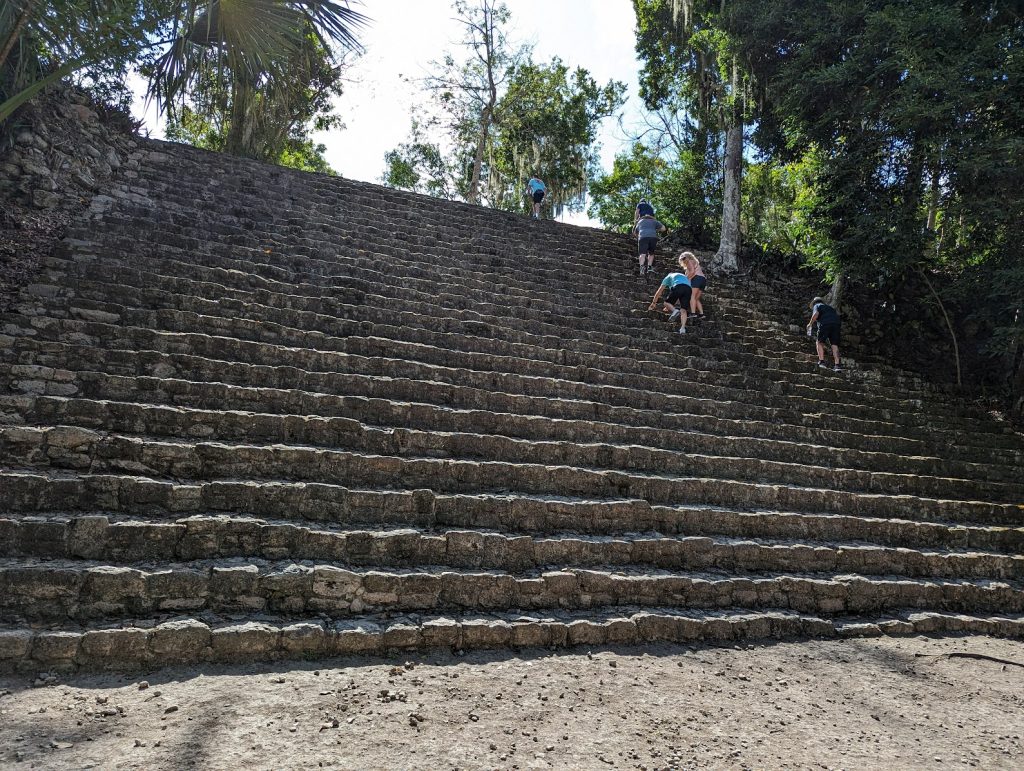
[682, 330]
[674, 315]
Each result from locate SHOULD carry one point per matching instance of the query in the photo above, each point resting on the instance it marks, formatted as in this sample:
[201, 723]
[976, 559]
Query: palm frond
[251, 38]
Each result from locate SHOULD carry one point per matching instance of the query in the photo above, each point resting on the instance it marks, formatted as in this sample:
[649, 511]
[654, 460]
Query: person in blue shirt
[536, 189]
[677, 302]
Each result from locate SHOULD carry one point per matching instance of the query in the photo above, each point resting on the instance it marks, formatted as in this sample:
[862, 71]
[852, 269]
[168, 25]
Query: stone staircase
[248, 414]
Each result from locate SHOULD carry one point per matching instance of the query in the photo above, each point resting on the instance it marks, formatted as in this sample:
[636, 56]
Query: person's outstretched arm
[814, 317]
[657, 296]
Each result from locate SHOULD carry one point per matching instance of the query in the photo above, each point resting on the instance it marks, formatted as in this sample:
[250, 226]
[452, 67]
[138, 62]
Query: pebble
[143, 685]
[170, 709]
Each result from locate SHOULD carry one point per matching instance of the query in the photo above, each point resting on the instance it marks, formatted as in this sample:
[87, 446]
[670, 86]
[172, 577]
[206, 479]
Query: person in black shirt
[827, 319]
[642, 208]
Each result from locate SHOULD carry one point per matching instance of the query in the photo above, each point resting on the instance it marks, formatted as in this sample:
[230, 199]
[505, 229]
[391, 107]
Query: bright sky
[406, 35]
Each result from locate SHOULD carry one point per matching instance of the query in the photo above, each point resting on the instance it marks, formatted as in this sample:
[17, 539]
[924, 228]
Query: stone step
[65, 447]
[556, 319]
[174, 311]
[585, 452]
[115, 540]
[82, 590]
[477, 295]
[188, 640]
[384, 357]
[146, 376]
[32, 493]
[188, 265]
[334, 428]
[350, 336]
[831, 382]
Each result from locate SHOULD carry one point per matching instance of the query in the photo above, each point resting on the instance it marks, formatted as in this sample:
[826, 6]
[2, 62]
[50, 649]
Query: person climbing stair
[677, 301]
[536, 189]
[646, 231]
[828, 330]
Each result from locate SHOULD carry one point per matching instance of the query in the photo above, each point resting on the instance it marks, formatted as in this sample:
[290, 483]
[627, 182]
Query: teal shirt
[674, 279]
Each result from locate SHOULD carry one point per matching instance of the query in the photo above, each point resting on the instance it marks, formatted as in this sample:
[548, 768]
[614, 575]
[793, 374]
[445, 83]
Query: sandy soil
[879, 703]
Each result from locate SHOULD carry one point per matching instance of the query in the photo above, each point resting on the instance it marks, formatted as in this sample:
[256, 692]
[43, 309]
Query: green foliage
[419, 165]
[504, 118]
[97, 41]
[682, 185]
[264, 118]
[547, 124]
[273, 56]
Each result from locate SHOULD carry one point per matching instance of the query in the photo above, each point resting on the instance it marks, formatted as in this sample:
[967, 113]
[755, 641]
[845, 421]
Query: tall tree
[547, 125]
[917, 113]
[684, 45]
[266, 119]
[468, 89]
[44, 42]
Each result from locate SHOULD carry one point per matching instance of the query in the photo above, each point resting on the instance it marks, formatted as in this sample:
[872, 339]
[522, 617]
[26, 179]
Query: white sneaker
[682, 330]
[674, 315]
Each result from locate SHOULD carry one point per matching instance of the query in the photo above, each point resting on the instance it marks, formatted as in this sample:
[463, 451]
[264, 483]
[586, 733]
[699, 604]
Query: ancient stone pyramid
[250, 414]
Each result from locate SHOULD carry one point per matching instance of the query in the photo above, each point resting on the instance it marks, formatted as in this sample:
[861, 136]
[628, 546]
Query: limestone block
[14, 643]
[304, 639]
[528, 634]
[87, 538]
[55, 649]
[251, 641]
[401, 636]
[183, 641]
[178, 589]
[441, 633]
[114, 587]
[586, 632]
[113, 648]
[9, 530]
[335, 583]
[485, 633]
[354, 637]
[234, 581]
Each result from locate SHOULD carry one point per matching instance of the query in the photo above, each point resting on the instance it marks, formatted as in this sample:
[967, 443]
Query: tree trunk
[729, 242]
[933, 199]
[239, 136]
[949, 324]
[478, 158]
[835, 295]
[19, 25]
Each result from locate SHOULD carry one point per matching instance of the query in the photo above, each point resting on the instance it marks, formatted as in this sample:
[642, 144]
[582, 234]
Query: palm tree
[40, 43]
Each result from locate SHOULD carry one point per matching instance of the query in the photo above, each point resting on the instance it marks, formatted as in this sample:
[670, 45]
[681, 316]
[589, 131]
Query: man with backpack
[643, 208]
[827, 319]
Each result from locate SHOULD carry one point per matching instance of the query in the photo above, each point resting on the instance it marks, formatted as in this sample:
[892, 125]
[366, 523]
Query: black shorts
[538, 196]
[646, 245]
[698, 282]
[680, 293]
[829, 333]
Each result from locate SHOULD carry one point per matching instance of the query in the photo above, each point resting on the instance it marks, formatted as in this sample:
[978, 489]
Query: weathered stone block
[55, 649]
[183, 641]
[113, 648]
[304, 639]
[245, 642]
[14, 644]
[441, 633]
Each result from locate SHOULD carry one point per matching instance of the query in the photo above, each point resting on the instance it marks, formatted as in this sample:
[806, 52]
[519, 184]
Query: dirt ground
[872, 703]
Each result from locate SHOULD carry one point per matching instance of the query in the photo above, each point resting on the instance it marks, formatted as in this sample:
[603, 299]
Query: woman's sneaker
[673, 315]
[837, 368]
[682, 330]
[822, 364]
